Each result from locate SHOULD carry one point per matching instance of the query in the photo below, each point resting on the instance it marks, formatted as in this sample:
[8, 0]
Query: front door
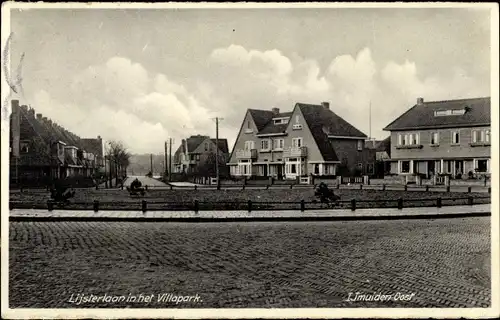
[459, 169]
[431, 168]
[280, 171]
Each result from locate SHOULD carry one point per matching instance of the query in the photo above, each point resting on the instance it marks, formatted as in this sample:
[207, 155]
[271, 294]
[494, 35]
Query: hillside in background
[140, 164]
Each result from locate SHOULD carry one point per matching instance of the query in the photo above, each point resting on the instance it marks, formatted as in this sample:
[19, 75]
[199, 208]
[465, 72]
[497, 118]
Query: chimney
[39, 116]
[23, 108]
[325, 104]
[276, 110]
[44, 119]
[50, 122]
[420, 101]
[98, 137]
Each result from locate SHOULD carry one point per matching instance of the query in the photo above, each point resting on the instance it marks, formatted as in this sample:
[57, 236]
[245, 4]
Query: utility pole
[170, 160]
[167, 168]
[217, 119]
[151, 160]
[370, 120]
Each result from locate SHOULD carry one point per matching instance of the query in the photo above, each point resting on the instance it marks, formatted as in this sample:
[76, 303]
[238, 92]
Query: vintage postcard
[245, 160]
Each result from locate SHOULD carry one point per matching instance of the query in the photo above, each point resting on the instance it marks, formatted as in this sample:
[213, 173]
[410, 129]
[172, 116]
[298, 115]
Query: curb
[256, 219]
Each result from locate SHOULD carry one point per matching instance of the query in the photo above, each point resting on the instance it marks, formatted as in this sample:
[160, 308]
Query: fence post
[383, 187]
[353, 204]
[471, 201]
[489, 190]
[338, 185]
[196, 206]
[302, 205]
[427, 188]
[361, 187]
[439, 202]
[447, 188]
[267, 187]
[195, 187]
[146, 187]
[96, 205]
[291, 186]
[406, 187]
[469, 189]
[243, 188]
[50, 205]
[144, 206]
[97, 186]
[400, 203]
[122, 186]
[249, 205]
[171, 187]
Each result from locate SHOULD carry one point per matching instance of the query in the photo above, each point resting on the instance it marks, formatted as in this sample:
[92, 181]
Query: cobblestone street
[445, 263]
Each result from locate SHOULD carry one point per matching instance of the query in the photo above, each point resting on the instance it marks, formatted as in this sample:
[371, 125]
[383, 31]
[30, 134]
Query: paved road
[445, 262]
[146, 181]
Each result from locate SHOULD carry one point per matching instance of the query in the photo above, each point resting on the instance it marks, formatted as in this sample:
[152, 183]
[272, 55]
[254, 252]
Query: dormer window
[449, 112]
[280, 121]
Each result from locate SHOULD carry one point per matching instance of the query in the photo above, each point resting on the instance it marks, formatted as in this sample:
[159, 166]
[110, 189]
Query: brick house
[309, 140]
[41, 150]
[196, 155]
[442, 137]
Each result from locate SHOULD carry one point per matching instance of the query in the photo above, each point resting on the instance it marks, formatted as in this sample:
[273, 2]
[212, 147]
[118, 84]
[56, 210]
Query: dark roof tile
[422, 116]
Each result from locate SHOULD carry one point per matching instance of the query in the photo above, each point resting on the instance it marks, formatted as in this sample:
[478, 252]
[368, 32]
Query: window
[297, 142]
[316, 168]
[249, 145]
[197, 157]
[405, 166]
[479, 136]
[360, 145]
[279, 144]
[264, 145]
[24, 146]
[297, 119]
[293, 168]
[434, 138]
[455, 112]
[414, 138]
[248, 125]
[370, 169]
[400, 139]
[455, 137]
[206, 146]
[360, 166]
[482, 166]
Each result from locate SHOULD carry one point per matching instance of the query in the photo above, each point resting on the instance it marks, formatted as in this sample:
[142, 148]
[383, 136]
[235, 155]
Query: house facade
[196, 155]
[442, 137]
[309, 140]
[41, 150]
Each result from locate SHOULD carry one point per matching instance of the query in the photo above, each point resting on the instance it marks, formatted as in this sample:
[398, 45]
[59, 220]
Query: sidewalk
[221, 216]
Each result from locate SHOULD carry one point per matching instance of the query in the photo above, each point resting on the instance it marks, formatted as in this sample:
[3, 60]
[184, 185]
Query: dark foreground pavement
[443, 263]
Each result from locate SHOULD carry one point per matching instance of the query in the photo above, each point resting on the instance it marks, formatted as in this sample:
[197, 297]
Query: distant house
[196, 155]
[442, 137]
[309, 140]
[382, 149]
[41, 150]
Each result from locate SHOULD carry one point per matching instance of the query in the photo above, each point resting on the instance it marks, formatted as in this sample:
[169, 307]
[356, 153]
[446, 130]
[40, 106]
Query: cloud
[122, 100]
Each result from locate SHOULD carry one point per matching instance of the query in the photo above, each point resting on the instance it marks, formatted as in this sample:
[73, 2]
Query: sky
[142, 76]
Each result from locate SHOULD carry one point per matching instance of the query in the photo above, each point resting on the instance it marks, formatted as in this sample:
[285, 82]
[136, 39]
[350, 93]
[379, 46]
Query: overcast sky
[142, 76]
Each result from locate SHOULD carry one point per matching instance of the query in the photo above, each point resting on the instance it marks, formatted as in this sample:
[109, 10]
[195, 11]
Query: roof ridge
[456, 100]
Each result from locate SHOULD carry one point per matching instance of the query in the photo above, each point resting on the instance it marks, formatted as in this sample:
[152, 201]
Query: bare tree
[119, 159]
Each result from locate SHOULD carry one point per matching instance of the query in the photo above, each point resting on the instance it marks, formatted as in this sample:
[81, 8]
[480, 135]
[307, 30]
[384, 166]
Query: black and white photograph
[245, 160]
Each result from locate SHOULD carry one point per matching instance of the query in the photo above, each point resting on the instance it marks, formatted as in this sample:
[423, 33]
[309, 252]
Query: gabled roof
[318, 119]
[261, 117]
[422, 115]
[270, 127]
[223, 146]
[92, 145]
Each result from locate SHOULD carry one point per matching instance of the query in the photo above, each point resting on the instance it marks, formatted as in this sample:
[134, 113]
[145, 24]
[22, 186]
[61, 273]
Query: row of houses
[431, 138]
[41, 150]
